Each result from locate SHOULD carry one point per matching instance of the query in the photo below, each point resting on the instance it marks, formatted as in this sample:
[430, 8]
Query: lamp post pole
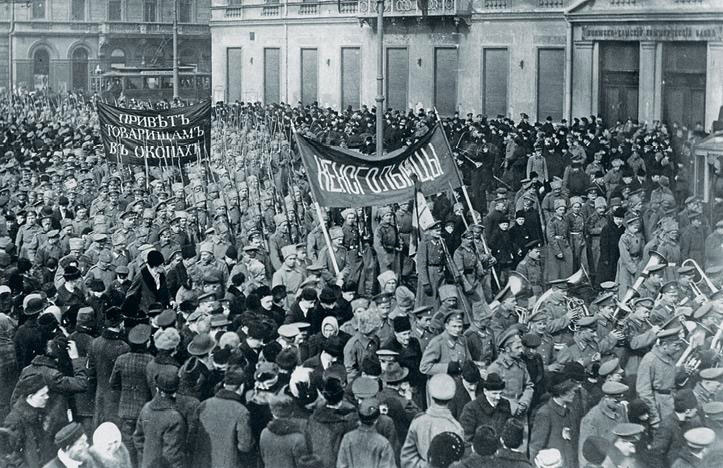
[380, 78]
[175, 49]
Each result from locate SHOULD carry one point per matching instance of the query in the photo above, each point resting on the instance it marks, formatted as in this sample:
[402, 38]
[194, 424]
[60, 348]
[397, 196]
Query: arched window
[41, 62]
[118, 56]
[80, 69]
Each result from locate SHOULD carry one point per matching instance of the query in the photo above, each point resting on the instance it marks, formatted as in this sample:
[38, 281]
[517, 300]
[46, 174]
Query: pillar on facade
[713, 83]
[650, 84]
[582, 78]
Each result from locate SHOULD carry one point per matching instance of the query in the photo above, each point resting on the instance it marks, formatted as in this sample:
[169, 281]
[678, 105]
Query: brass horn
[656, 258]
[703, 277]
[516, 283]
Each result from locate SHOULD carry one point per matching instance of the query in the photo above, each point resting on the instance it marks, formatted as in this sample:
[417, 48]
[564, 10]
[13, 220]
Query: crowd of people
[569, 314]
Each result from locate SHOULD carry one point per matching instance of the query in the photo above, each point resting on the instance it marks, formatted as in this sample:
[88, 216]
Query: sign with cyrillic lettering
[156, 137]
[342, 178]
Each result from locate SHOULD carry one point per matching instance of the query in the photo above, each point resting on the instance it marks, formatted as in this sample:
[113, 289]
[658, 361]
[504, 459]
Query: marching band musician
[665, 305]
[639, 335]
[651, 285]
[586, 349]
[656, 375]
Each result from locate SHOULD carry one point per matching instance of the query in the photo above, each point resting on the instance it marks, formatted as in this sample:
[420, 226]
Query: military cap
[670, 286]
[614, 388]
[703, 310]
[646, 302]
[166, 318]
[508, 335]
[336, 233]
[387, 353]
[548, 458]
[435, 225]
[719, 224]
[604, 298]
[442, 387]
[453, 314]
[628, 430]
[212, 276]
[365, 387]
[347, 212]
[288, 331]
[608, 367]
[699, 437]
[359, 303]
[99, 237]
[534, 244]
[713, 410]
[394, 373]
[686, 270]
[447, 291]
[251, 248]
[713, 373]
[656, 268]
[368, 409]
[53, 234]
[559, 203]
[422, 311]
[669, 333]
[559, 283]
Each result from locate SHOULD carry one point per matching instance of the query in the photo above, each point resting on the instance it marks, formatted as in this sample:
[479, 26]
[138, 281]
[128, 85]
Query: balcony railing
[413, 8]
[292, 9]
[116, 27]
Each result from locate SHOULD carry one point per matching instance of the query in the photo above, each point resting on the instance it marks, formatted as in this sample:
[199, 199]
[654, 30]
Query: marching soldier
[576, 228]
[559, 255]
[470, 268]
[532, 268]
[387, 243]
[430, 266]
[631, 251]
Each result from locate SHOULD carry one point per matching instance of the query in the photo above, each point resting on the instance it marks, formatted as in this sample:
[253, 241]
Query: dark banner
[156, 137]
[341, 178]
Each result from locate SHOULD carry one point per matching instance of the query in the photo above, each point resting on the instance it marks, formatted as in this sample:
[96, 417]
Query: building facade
[65, 45]
[640, 59]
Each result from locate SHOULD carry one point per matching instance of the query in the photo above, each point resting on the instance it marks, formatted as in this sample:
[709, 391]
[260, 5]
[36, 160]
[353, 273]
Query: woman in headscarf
[329, 328]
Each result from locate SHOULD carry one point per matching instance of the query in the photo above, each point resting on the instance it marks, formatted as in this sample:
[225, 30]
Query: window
[80, 69]
[397, 77]
[550, 83]
[445, 80]
[309, 76]
[185, 11]
[495, 70]
[114, 10]
[149, 11]
[350, 77]
[77, 10]
[41, 62]
[118, 56]
[272, 66]
[233, 74]
[38, 9]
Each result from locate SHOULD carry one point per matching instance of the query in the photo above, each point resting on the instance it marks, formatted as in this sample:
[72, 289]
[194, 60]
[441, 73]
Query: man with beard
[624, 449]
[73, 448]
[609, 252]
[108, 450]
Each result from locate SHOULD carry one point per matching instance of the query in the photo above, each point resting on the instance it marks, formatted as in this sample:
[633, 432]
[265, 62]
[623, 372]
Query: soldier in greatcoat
[431, 263]
[559, 253]
[630, 249]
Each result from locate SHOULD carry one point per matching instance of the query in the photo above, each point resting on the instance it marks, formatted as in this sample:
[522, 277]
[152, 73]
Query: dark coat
[34, 442]
[102, 355]
[61, 388]
[143, 292]
[221, 433]
[479, 412]
[156, 366]
[28, 342]
[473, 460]
[325, 430]
[609, 252]
[282, 443]
[160, 435]
[129, 377]
[314, 317]
[9, 373]
[506, 458]
[547, 432]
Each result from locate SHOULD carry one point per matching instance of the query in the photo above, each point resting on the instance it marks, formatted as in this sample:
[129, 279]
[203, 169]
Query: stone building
[640, 59]
[66, 44]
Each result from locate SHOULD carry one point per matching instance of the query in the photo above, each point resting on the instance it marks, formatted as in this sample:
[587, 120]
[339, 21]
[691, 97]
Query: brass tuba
[516, 283]
[695, 285]
[656, 258]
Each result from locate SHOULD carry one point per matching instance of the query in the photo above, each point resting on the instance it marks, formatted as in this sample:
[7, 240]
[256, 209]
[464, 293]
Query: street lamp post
[380, 78]
[175, 49]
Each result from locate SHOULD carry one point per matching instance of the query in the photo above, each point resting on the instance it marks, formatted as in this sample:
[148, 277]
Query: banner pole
[319, 214]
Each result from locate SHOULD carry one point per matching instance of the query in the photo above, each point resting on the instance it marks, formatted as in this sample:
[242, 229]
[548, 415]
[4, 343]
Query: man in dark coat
[221, 432]
[129, 378]
[102, 355]
[556, 424]
[609, 252]
[149, 286]
[160, 436]
[29, 338]
[9, 370]
[489, 408]
[282, 442]
[72, 444]
[510, 454]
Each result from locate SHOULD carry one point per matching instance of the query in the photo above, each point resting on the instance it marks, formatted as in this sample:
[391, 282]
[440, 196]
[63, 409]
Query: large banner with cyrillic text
[342, 178]
[166, 137]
